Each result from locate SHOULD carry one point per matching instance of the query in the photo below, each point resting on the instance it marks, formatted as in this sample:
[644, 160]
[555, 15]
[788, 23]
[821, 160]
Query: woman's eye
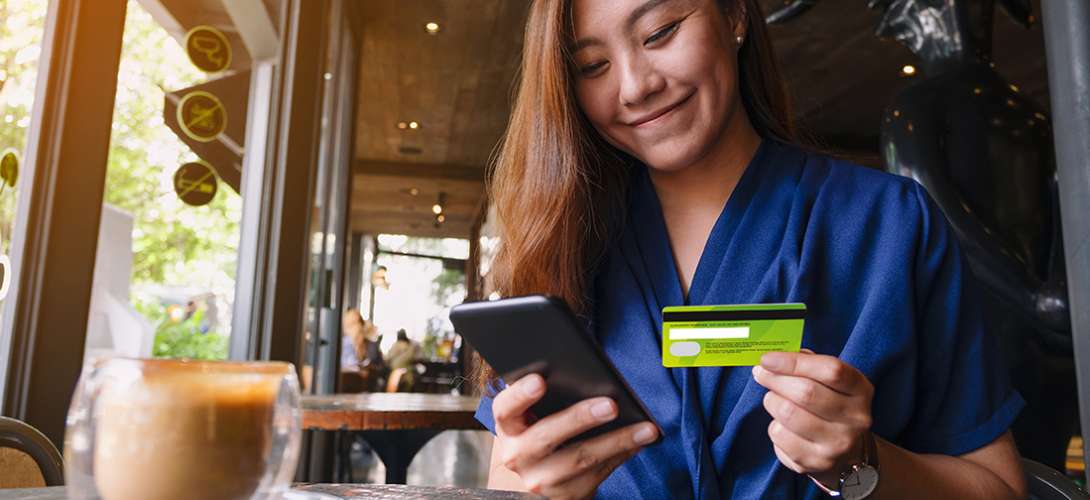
[662, 33]
[591, 69]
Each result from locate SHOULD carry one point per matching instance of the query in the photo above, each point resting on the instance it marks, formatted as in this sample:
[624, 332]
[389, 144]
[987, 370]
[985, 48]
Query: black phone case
[538, 334]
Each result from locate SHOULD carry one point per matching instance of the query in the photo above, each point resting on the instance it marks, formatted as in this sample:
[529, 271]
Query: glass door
[329, 218]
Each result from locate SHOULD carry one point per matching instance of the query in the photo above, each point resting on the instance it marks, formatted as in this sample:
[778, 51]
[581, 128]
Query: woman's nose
[639, 81]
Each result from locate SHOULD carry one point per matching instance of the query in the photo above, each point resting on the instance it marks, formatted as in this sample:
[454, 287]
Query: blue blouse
[887, 290]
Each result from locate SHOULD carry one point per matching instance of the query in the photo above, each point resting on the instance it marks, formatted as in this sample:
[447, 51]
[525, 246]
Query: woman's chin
[667, 160]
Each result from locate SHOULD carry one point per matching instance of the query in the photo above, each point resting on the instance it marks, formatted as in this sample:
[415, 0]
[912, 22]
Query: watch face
[860, 483]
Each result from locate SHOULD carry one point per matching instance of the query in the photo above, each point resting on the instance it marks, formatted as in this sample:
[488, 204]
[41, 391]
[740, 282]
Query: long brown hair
[558, 187]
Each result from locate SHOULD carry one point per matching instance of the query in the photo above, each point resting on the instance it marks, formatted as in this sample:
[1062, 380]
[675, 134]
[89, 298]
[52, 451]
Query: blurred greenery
[184, 338]
[174, 245]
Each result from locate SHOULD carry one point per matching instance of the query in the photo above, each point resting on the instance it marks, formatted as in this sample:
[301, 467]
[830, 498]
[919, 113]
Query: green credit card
[734, 335]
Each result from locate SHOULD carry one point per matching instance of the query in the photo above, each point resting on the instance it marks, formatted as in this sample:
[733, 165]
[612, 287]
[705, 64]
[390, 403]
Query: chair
[27, 458]
[1046, 483]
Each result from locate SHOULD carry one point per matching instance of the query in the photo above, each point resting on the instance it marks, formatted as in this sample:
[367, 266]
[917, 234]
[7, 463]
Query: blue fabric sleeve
[484, 408]
[963, 398]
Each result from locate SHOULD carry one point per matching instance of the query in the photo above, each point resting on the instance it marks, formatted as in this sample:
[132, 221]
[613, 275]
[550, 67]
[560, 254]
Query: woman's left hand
[821, 412]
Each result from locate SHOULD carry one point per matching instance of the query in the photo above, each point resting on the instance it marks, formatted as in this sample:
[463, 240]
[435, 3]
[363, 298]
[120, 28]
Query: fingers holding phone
[538, 453]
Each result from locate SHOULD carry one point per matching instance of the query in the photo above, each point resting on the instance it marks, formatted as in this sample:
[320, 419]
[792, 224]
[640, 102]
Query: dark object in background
[984, 153]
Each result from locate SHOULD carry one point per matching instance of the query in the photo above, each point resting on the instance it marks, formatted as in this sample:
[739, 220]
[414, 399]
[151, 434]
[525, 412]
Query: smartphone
[538, 334]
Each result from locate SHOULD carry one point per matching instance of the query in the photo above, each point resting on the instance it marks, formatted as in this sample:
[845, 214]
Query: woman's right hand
[534, 450]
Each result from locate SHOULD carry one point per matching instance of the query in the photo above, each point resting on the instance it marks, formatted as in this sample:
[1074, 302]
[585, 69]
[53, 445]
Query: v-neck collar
[654, 240]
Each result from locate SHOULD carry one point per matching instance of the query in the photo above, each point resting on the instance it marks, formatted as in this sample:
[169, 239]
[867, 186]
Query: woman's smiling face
[657, 78]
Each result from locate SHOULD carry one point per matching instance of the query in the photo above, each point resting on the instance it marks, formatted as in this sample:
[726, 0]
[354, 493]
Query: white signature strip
[736, 332]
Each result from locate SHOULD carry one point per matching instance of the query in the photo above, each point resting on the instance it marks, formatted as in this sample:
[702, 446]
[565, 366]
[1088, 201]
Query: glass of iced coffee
[143, 429]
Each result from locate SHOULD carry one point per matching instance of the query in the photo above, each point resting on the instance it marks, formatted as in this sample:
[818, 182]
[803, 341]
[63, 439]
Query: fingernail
[533, 386]
[603, 410]
[774, 361]
[645, 434]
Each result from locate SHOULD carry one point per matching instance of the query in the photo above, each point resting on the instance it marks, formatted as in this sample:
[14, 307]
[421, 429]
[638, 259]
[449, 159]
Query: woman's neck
[693, 197]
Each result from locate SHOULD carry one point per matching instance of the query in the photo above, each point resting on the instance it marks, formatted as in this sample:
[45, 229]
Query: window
[168, 242]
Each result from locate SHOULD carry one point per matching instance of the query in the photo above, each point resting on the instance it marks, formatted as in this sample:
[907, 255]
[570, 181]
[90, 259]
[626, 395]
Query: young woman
[649, 163]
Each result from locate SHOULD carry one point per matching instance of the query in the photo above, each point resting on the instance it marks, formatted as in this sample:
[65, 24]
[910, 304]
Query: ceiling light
[432, 28]
[438, 208]
[402, 125]
[908, 70]
[328, 76]
[414, 191]
[414, 125]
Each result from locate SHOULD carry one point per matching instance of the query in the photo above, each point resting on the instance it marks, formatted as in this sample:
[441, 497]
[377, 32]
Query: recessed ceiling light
[414, 125]
[908, 70]
[441, 218]
[402, 125]
[432, 28]
[437, 209]
[414, 191]
[328, 76]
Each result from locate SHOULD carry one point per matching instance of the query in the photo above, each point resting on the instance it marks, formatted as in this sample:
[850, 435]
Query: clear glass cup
[152, 429]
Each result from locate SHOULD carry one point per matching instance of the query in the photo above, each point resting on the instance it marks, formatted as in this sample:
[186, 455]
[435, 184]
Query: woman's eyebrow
[642, 10]
[630, 21]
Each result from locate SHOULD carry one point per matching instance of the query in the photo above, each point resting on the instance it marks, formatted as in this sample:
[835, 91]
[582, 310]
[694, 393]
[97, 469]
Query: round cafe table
[323, 492]
[396, 425]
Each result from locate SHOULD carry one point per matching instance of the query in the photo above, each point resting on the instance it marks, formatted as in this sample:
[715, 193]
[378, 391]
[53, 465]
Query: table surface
[389, 411]
[324, 492]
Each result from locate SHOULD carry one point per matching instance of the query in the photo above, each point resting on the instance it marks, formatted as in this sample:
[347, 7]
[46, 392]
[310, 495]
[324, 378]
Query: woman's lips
[652, 118]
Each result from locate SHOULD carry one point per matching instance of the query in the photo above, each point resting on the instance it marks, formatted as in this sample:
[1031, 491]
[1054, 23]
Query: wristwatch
[859, 481]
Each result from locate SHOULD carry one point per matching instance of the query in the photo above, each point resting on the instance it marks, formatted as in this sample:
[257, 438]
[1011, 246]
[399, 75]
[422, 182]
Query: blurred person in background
[402, 360]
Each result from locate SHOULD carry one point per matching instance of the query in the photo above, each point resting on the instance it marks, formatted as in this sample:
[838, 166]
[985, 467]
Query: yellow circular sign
[202, 116]
[9, 169]
[196, 183]
[208, 49]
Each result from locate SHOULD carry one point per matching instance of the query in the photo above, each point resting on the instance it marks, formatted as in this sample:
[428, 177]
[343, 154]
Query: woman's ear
[736, 17]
